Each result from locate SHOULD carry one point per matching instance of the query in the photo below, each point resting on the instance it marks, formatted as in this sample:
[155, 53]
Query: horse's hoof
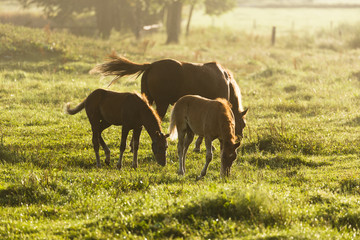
[181, 173]
[118, 166]
[134, 166]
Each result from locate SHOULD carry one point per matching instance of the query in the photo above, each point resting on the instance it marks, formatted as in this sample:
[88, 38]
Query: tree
[173, 22]
[212, 7]
[119, 14]
[128, 14]
[104, 11]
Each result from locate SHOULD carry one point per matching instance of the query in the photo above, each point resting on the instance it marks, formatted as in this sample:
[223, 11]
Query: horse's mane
[235, 93]
[229, 117]
[146, 101]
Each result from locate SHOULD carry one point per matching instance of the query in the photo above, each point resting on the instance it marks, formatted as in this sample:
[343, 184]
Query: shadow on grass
[340, 216]
[209, 215]
[18, 195]
[280, 161]
[350, 185]
[9, 156]
[355, 122]
[14, 155]
[32, 192]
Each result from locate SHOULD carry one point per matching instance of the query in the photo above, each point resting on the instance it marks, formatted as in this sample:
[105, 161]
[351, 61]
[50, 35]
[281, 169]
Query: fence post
[273, 36]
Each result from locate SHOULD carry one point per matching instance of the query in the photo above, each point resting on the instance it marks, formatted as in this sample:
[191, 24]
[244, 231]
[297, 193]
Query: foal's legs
[184, 140]
[209, 156]
[136, 137]
[103, 126]
[198, 144]
[95, 141]
[180, 148]
[95, 127]
[188, 139]
[124, 133]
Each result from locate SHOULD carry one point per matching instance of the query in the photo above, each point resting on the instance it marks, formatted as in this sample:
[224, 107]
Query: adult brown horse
[165, 81]
[211, 119]
[132, 111]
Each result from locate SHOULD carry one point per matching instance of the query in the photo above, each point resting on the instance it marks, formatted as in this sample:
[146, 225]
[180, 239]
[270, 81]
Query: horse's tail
[119, 66]
[172, 127]
[75, 110]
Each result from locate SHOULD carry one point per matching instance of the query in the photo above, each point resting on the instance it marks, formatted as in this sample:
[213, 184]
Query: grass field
[296, 175]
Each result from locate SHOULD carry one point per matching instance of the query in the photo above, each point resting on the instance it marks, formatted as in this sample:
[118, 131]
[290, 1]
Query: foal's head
[159, 146]
[228, 156]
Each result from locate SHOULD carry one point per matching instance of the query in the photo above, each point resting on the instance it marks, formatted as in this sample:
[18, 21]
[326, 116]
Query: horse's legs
[180, 148]
[198, 144]
[188, 140]
[124, 133]
[95, 141]
[136, 137]
[103, 126]
[209, 156]
[131, 145]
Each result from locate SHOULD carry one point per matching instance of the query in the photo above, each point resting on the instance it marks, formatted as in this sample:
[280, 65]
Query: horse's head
[159, 146]
[240, 123]
[228, 156]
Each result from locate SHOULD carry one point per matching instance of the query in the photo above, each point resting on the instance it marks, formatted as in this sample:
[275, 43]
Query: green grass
[297, 172]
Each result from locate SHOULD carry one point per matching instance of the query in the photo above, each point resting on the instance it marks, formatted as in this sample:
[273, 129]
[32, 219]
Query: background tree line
[128, 15]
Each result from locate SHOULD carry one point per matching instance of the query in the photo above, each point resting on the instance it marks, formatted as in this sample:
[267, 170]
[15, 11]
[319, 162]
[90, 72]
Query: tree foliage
[109, 14]
[126, 14]
[218, 7]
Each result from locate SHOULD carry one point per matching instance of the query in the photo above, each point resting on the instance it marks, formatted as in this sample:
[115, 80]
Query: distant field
[287, 20]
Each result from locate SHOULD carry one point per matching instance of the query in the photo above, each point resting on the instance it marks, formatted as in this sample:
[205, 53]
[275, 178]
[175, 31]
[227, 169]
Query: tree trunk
[103, 11]
[189, 19]
[173, 23]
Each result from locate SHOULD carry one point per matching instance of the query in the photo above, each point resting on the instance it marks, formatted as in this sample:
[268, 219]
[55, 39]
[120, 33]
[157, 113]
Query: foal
[105, 108]
[210, 119]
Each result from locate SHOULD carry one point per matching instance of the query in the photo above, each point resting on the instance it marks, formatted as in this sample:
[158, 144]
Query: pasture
[297, 171]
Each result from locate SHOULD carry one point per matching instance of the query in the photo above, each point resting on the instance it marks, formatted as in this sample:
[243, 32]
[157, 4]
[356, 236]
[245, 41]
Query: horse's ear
[244, 112]
[236, 145]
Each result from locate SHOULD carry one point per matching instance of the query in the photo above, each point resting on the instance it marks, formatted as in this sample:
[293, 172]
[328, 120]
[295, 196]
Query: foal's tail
[75, 110]
[119, 66]
[172, 127]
